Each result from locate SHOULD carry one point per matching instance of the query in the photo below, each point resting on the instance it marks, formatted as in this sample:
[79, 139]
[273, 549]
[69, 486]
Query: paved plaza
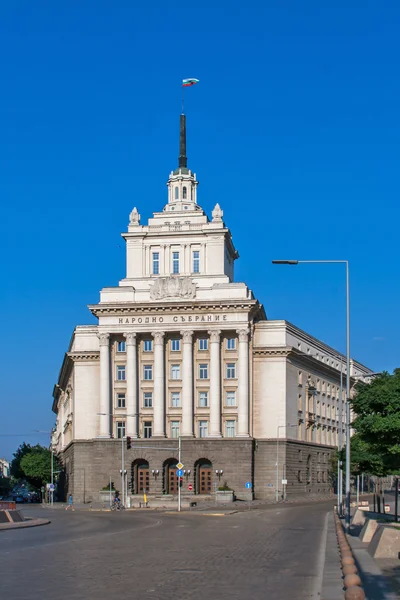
[271, 552]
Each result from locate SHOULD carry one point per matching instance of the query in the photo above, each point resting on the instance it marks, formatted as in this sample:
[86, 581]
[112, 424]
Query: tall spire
[182, 142]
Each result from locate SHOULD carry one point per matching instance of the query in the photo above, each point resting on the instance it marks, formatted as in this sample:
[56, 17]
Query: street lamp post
[52, 462]
[277, 459]
[122, 470]
[346, 263]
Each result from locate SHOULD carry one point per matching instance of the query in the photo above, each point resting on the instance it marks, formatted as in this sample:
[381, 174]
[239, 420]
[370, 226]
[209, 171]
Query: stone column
[131, 385]
[105, 406]
[215, 384]
[187, 383]
[159, 385]
[243, 383]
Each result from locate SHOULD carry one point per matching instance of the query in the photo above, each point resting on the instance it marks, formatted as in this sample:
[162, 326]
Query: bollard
[352, 579]
[349, 570]
[354, 593]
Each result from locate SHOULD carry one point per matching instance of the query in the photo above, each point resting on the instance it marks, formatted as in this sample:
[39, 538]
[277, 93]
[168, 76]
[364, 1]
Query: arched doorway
[203, 476]
[170, 479]
[140, 476]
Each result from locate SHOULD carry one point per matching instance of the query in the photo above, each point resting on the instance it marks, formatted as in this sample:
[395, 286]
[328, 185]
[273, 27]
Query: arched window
[184, 192]
[176, 193]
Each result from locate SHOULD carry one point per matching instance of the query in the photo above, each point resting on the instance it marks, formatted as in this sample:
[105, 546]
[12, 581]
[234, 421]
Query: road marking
[88, 537]
[321, 561]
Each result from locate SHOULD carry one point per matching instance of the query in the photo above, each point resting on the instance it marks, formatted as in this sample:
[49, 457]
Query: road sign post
[180, 469]
[248, 486]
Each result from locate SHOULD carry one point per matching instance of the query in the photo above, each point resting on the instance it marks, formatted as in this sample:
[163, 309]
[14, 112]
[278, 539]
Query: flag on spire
[188, 82]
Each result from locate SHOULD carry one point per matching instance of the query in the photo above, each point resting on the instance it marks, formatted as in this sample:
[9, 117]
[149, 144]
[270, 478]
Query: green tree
[377, 425]
[36, 465]
[15, 467]
[5, 486]
[364, 459]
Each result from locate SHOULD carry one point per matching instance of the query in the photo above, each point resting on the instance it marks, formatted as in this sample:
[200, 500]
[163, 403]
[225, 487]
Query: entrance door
[172, 480]
[205, 480]
[143, 479]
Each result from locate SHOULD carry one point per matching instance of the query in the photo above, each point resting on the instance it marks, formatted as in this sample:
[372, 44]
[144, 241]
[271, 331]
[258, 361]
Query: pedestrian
[70, 503]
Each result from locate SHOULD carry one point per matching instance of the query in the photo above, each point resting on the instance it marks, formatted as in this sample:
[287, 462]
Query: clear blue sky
[294, 129]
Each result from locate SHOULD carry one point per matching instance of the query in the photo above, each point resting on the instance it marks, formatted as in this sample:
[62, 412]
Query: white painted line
[321, 561]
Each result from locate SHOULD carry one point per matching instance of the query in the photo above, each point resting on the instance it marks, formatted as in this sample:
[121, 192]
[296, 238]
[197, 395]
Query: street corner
[24, 524]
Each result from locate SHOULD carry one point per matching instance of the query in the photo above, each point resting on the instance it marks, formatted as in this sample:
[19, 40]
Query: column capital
[187, 336]
[215, 335]
[104, 338]
[243, 334]
[130, 338]
[158, 336]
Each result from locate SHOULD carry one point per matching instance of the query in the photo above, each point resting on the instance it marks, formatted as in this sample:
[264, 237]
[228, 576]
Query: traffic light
[128, 442]
[180, 481]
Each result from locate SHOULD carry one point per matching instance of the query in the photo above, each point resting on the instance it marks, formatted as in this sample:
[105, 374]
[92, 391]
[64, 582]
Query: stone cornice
[272, 351]
[84, 356]
[251, 306]
[301, 358]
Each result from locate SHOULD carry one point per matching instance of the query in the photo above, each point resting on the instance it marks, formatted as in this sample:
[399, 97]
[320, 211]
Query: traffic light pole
[122, 471]
[179, 482]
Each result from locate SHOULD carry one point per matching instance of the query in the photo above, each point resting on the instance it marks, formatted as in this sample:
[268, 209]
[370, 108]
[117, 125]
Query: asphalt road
[275, 553]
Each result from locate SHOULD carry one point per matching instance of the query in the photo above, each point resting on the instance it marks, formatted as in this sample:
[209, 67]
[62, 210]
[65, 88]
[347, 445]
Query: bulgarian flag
[188, 82]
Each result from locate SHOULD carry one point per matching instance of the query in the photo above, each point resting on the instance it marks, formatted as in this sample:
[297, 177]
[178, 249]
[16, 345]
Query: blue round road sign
[179, 473]
[249, 484]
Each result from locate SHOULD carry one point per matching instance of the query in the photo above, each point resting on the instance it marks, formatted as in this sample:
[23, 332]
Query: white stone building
[4, 468]
[182, 350]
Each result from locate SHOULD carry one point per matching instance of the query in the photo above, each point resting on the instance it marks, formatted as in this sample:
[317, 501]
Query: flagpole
[183, 99]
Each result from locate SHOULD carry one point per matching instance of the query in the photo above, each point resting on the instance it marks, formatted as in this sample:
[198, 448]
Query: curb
[351, 578]
[24, 524]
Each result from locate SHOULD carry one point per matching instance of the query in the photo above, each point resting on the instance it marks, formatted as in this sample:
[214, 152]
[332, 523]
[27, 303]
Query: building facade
[182, 351]
[4, 468]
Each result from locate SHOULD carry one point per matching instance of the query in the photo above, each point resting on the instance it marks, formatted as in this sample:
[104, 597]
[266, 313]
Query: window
[156, 263]
[203, 399]
[184, 193]
[196, 261]
[203, 371]
[230, 343]
[175, 345]
[121, 372]
[147, 429]
[148, 399]
[120, 400]
[176, 193]
[300, 378]
[120, 429]
[175, 429]
[203, 429]
[230, 398]
[175, 371]
[175, 263]
[121, 347]
[148, 345]
[175, 399]
[203, 344]
[230, 370]
[148, 372]
[230, 428]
